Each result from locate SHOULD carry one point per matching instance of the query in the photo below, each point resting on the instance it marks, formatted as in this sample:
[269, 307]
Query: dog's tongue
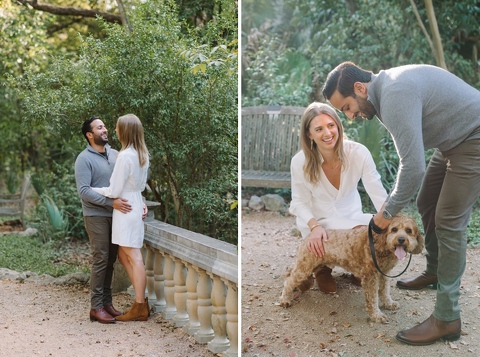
[400, 252]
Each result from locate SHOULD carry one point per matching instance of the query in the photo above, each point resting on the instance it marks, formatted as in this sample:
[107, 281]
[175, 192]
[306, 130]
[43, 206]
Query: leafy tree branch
[71, 11]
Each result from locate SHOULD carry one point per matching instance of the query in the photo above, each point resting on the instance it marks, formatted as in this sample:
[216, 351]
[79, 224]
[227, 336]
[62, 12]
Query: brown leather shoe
[355, 281]
[325, 281]
[112, 311]
[424, 280]
[431, 330]
[101, 316]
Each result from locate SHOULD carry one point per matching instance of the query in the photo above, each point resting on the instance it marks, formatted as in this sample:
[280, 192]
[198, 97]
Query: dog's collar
[378, 230]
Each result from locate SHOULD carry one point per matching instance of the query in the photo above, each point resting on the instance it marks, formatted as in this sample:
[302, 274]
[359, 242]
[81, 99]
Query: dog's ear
[420, 242]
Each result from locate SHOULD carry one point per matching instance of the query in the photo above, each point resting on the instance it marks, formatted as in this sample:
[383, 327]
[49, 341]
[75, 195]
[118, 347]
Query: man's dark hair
[342, 79]
[87, 126]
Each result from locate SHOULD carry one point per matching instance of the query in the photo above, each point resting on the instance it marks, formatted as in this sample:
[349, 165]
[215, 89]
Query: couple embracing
[109, 184]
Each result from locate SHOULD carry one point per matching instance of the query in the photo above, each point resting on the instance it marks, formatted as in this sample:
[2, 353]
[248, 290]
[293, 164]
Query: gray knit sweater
[422, 107]
[92, 169]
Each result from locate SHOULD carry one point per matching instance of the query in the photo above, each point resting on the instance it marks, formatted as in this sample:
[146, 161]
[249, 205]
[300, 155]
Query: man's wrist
[387, 215]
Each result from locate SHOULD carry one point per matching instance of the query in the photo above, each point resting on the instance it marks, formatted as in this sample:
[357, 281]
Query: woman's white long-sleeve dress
[332, 208]
[128, 180]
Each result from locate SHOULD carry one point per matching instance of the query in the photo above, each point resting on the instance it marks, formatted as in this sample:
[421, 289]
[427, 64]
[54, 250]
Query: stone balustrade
[192, 280]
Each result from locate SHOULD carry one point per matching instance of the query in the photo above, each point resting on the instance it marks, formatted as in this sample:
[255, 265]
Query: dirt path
[335, 325]
[50, 320]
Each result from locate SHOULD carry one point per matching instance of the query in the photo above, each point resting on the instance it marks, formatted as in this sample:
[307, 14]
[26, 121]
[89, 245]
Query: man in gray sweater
[424, 107]
[93, 168]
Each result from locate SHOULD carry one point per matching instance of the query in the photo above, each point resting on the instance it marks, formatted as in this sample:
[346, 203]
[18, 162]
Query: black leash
[378, 230]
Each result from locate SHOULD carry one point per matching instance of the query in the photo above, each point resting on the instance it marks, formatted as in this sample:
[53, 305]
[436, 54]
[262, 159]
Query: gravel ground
[45, 319]
[335, 325]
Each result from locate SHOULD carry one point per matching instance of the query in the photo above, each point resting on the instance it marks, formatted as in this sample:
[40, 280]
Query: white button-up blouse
[332, 208]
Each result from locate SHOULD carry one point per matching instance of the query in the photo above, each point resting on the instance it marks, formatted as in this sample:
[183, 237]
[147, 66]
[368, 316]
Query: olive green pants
[449, 190]
[104, 254]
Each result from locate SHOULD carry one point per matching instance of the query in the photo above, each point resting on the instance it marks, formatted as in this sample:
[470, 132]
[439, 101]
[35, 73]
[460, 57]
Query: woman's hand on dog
[315, 241]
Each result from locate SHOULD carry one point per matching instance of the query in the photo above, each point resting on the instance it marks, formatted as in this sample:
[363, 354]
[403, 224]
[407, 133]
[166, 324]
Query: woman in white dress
[128, 180]
[325, 177]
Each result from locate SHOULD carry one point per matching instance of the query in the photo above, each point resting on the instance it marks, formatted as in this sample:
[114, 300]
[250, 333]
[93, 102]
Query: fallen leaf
[453, 346]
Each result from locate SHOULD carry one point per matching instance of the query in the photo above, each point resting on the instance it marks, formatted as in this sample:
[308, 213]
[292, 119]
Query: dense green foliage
[289, 46]
[182, 83]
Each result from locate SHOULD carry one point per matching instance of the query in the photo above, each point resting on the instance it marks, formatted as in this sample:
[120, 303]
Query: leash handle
[378, 230]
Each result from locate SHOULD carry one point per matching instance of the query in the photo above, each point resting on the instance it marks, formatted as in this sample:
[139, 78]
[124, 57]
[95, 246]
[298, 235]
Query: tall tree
[184, 91]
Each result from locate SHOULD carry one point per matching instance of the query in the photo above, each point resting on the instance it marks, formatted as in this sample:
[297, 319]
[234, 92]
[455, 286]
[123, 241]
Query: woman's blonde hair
[313, 157]
[130, 133]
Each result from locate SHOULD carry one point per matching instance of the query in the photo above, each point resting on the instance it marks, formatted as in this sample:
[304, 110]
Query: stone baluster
[220, 342]
[232, 318]
[204, 287]
[149, 261]
[170, 311]
[180, 296]
[159, 283]
[193, 324]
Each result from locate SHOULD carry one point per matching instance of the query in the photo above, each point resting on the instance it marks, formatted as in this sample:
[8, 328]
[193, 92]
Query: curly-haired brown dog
[349, 249]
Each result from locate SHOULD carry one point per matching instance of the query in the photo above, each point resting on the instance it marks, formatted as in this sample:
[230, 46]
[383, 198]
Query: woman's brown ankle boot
[325, 280]
[138, 312]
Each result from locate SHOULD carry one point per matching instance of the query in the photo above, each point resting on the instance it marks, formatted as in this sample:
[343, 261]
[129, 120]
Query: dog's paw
[379, 317]
[392, 305]
[285, 303]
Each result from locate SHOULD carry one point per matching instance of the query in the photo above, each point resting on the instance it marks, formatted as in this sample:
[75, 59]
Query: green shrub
[29, 254]
[58, 216]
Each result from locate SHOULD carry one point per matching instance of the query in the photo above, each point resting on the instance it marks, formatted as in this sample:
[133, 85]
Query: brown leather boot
[112, 311]
[325, 280]
[419, 282]
[431, 330]
[138, 312]
[101, 316]
[355, 280]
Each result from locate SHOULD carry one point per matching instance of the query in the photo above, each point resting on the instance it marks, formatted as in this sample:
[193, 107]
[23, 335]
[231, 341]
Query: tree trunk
[422, 26]
[437, 40]
[123, 15]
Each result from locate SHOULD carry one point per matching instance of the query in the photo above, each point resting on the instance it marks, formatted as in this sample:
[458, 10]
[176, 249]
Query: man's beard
[98, 140]
[366, 108]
